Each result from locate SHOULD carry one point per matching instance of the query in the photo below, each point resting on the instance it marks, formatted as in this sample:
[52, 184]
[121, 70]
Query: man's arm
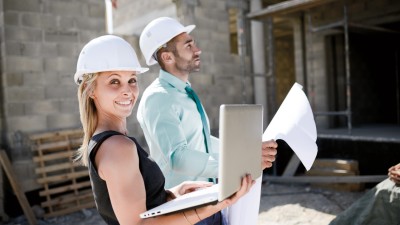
[166, 130]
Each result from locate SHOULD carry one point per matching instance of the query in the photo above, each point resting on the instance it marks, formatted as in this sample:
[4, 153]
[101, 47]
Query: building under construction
[345, 54]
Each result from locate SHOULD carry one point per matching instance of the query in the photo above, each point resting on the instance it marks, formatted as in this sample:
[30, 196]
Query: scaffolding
[345, 24]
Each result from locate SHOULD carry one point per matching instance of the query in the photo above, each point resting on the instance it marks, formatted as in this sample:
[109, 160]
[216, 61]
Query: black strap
[96, 141]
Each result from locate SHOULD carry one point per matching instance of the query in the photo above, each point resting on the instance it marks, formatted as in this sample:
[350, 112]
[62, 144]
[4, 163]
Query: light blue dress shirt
[174, 132]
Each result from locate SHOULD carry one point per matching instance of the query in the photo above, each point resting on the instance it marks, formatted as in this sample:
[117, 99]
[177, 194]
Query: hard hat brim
[189, 28]
[78, 75]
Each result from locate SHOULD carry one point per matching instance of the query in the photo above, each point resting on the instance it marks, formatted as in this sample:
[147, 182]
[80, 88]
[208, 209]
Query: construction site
[345, 54]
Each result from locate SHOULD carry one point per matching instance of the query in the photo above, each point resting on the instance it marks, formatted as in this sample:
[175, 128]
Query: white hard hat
[157, 33]
[107, 53]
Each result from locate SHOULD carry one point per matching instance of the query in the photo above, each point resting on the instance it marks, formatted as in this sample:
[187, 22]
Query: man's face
[187, 54]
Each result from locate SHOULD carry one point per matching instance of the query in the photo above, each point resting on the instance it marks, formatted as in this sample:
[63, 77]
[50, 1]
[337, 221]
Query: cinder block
[59, 64]
[14, 79]
[28, 49]
[25, 94]
[23, 5]
[60, 36]
[45, 107]
[33, 20]
[61, 121]
[12, 18]
[15, 109]
[96, 9]
[23, 64]
[26, 123]
[13, 33]
[66, 8]
[69, 50]
[61, 92]
[69, 106]
[90, 23]
[50, 21]
[60, 77]
[49, 50]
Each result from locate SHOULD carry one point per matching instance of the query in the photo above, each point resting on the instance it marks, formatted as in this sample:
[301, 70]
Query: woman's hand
[188, 186]
[247, 183]
[206, 211]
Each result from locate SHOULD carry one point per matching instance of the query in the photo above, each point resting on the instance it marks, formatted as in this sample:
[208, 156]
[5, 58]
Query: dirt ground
[280, 205]
[302, 205]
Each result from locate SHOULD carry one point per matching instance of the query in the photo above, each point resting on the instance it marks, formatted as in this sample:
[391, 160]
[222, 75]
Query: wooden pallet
[336, 167]
[66, 185]
[288, 175]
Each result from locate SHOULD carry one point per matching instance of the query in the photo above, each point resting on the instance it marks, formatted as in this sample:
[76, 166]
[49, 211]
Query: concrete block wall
[130, 17]
[41, 40]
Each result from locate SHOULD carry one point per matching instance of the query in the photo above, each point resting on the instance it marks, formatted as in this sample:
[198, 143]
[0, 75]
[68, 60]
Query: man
[380, 205]
[175, 128]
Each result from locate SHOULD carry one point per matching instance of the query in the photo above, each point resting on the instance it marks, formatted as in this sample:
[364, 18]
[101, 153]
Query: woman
[125, 181]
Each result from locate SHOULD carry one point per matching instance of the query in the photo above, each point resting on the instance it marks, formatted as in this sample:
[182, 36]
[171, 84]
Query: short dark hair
[170, 47]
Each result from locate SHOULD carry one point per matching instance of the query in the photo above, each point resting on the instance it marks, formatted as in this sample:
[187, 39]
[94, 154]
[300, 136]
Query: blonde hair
[88, 114]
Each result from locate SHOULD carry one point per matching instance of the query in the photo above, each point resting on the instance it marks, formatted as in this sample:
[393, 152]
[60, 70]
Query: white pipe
[109, 18]
[258, 59]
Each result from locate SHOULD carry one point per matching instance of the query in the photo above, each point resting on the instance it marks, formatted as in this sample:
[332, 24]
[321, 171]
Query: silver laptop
[240, 154]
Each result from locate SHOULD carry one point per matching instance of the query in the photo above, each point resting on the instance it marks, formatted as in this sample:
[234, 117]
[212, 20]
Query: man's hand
[268, 153]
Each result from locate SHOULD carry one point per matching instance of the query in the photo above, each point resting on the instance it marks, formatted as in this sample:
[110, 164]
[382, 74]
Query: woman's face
[115, 93]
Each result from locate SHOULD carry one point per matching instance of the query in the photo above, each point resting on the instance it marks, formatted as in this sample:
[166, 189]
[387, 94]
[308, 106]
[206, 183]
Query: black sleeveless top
[152, 176]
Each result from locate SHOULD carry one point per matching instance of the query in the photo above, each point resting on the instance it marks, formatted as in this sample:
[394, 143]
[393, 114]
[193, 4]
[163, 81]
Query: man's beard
[190, 67]
[187, 66]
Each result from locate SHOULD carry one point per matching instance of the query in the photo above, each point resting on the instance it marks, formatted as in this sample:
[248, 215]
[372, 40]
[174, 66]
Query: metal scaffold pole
[347, 65]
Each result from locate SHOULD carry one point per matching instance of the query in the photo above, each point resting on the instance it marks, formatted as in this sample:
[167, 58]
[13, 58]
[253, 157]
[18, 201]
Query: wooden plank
[63, 177]
[59, 155]
[68, 198]
[70, 210]
[327, 179]
[351, 165]
[330, 172]
[59, 145]
[65, 188]
[23, 201]
[47, 135]
[57, 167]
[3, 216]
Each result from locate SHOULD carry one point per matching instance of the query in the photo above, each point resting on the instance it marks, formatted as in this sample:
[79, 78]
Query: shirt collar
[172, 80]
